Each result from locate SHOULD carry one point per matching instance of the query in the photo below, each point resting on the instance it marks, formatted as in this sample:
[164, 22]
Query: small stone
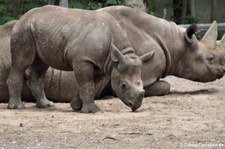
[21, 124]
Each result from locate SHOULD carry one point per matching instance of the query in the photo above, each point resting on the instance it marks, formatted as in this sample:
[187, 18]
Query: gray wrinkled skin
[177, 51]
[5, 63]
[59, 85]
[91, 43]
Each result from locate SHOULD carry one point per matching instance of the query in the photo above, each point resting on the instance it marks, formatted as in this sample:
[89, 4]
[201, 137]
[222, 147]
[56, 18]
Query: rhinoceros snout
[142, 94]
[221, 73]
[134, 108]
[134, 105]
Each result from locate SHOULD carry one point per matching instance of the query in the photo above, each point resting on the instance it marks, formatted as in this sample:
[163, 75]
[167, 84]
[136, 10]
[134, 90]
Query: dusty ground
[192, 116]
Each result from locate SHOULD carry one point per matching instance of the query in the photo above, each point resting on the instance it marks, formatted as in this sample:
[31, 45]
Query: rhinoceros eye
[210, 57]
[138, 82]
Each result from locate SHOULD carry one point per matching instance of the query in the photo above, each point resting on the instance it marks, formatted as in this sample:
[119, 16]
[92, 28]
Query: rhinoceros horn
[222, 42]
[210, 36]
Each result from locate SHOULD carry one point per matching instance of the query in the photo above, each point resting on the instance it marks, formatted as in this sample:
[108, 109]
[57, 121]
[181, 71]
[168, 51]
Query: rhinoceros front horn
[210, 36]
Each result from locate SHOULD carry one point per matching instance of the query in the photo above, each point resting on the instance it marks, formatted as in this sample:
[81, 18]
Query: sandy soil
[192, 116]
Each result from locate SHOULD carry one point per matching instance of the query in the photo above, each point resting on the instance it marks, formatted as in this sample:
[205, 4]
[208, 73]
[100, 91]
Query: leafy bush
[13, 9]
[10, 10]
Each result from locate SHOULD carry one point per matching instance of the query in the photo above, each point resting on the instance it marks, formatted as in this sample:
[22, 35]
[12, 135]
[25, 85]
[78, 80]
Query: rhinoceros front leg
[36, 83]
[159, 88]
[84, 73]
[76, 104]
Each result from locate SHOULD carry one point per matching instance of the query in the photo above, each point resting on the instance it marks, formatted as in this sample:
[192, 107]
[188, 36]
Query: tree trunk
[213, 10]
[177, 10]
[184, 10]
[192, 6]
[51, 2]
[138, 4]
[17, 7]
[63, 3]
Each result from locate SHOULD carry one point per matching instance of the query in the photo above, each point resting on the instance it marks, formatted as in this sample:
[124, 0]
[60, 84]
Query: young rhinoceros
[91, 43]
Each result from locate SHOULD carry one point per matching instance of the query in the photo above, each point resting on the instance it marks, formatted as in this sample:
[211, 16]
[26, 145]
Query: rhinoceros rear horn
[116, 55]
[210, 36]
[146, 56]
[190, 31]
[222, 42]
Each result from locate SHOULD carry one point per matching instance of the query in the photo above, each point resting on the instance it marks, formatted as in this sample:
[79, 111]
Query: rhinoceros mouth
[133, 105]
[220, 73]
[135, 108]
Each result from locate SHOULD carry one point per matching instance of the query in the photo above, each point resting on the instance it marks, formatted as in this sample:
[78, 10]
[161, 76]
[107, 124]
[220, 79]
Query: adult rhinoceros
[89, 43]
[177, 51]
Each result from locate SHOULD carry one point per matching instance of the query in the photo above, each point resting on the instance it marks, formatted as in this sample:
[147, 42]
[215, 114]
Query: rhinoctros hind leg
[22, 58]
[15, 83]
[36, 83]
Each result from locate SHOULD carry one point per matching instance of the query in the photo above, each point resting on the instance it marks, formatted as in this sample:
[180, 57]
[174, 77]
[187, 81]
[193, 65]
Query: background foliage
[14, 9]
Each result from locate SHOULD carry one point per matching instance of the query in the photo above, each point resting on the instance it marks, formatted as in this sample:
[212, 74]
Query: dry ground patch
[193, 114]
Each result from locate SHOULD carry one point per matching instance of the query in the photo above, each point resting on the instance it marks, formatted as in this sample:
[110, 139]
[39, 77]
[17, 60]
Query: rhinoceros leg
[84, 73]
[15, 81]
[22, 57]
[159, 88]
[76, 104]
[36, 83]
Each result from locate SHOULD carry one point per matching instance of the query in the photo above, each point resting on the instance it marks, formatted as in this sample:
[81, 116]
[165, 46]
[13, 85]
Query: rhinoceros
[89, 43]
[59, 85]
[177, 51]
[5, 57]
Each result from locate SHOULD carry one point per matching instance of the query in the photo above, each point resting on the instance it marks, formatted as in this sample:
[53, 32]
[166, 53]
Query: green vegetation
[14, 9]
[93, 4]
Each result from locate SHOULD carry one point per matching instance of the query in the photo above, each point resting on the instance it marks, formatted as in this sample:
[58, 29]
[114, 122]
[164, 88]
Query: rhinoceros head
[203, 60]
[126, 77]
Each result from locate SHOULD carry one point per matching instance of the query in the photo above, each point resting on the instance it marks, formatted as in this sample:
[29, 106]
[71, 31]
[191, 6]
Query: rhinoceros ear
[146, 56]
[116, 55]
[190, 31]
[222, 42]
[210, 36]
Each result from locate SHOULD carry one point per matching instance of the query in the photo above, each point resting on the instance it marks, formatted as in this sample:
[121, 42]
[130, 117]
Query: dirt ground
[192, 116]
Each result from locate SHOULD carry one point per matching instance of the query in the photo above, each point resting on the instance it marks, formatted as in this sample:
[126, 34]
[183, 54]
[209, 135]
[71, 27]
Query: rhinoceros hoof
[90, 108]
[44, 103]
[76, 104]
[15, 105]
